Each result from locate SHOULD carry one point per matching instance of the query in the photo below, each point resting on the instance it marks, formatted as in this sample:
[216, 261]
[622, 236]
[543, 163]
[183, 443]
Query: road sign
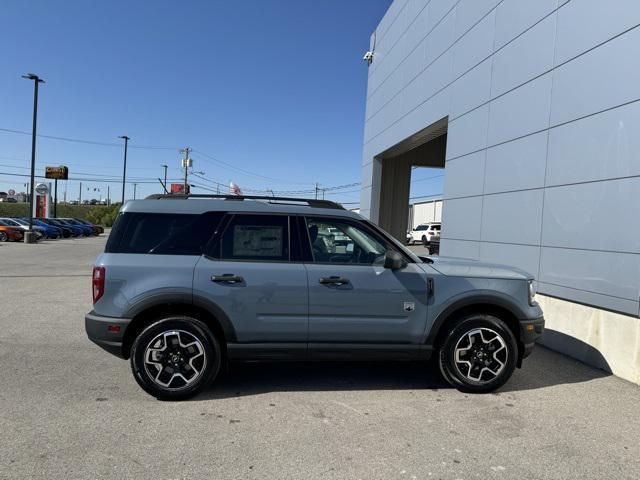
[11, 192]
[57, 173]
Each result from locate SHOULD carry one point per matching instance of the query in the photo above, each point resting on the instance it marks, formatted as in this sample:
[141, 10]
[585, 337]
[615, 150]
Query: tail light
[97, 281]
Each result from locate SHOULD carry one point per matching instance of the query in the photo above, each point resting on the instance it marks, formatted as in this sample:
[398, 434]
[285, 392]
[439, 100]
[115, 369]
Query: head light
[532, 293]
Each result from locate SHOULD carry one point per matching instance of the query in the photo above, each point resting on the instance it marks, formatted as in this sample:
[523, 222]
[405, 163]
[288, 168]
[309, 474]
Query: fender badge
[409, 306]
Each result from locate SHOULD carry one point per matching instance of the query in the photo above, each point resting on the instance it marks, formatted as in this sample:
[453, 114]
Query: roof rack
[269, 199]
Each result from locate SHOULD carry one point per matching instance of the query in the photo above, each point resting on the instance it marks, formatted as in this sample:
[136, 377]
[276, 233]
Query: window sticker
[257, 241]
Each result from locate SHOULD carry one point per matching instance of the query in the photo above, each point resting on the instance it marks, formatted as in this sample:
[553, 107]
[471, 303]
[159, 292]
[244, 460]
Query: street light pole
[28, 238]
[124, 171]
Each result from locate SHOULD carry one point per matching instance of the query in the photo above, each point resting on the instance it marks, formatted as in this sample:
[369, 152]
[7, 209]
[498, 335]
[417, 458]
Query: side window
[339, 241]
[256, 237]
[162, 233]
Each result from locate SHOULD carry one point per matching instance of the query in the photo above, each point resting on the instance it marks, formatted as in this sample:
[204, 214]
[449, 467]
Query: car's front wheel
[3, 237]
[175, 358]
[478, 354]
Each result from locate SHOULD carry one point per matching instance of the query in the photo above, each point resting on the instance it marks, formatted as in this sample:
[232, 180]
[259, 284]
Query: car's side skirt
[326, 352]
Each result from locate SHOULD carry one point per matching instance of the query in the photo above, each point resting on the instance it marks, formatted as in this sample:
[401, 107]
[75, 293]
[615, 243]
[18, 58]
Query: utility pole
[135, 185]
[165, 178]
[80, 195]
[29, 238]
[317, 189]
[124, 171]
[186, 163]
[108, 194]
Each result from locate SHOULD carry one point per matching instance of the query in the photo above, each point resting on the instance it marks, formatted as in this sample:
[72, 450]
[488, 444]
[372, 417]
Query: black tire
[493, 343]
[181, 379]
[3, 237]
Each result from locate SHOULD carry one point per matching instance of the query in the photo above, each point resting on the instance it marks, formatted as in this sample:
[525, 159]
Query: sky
[268, 94]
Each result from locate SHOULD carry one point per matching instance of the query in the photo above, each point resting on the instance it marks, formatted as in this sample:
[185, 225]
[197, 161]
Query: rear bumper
[530, 331]
[104, 332]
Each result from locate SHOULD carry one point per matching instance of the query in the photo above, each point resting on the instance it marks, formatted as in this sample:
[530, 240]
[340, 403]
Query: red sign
[179, 188]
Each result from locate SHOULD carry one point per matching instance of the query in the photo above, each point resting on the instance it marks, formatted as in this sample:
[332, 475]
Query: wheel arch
[485, 304]
[204, 310]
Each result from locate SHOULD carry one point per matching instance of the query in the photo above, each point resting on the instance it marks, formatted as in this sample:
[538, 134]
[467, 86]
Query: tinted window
[256, 237]
[421, 227]
[338, 241]
[161, 233]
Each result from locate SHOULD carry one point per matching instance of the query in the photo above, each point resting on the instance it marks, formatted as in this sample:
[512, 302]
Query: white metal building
[533, 110]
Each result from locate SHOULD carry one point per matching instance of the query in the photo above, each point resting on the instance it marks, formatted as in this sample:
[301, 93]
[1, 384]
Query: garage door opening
[419, 159]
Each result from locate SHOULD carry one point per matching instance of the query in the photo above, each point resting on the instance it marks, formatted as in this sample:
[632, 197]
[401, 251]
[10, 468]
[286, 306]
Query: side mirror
[394, 260]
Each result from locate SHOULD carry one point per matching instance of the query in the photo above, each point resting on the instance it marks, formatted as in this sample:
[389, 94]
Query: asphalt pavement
[70, 410]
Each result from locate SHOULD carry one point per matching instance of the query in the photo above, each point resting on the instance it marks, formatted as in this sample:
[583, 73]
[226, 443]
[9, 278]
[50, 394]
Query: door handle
[227, 278]
[334, 280]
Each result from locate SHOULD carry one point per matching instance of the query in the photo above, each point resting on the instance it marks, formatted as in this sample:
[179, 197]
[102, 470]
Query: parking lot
[70, 410]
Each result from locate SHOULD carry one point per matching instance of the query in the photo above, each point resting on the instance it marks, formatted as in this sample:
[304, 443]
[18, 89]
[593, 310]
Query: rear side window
[162, 233]
[256, 237]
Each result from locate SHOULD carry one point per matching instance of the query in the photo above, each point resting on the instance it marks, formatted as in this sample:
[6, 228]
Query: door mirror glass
[394, 260]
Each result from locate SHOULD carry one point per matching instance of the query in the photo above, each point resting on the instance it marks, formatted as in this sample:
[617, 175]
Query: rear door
[352, 297]
[251, 274]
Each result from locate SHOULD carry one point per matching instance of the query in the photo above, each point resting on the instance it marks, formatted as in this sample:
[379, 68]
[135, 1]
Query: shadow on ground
[544, 368]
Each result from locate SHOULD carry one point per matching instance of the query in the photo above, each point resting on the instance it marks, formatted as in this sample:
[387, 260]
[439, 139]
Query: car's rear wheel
[175, 358]
[3, 237]
[478, 354]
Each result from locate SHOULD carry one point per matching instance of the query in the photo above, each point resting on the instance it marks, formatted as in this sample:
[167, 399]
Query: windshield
[11, 222]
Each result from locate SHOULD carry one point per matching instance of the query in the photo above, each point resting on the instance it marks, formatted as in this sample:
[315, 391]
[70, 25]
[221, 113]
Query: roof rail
[269, 199]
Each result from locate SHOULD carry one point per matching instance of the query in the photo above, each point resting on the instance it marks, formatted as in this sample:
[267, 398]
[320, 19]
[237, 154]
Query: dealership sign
[57, 173]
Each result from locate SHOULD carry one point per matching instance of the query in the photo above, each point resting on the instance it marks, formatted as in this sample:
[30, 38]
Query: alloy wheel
[175, 359]
[480, 355]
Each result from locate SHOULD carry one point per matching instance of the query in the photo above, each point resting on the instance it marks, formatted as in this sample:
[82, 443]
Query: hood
[462, 267]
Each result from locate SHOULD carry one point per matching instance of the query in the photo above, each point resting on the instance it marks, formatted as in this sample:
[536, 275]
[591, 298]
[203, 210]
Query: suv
[423, 233]
[187, 283]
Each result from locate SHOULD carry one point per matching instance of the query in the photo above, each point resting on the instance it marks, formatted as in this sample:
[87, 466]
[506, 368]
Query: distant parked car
[423, 232]
[97, 229]
[11, 222]
[8, 200]
[10, 234]
[36, 227]
[50, 230]
[87, 230]
[68, 230]
[73, 202]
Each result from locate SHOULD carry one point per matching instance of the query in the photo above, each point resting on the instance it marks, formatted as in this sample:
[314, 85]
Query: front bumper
[530, 331]
[106, 332]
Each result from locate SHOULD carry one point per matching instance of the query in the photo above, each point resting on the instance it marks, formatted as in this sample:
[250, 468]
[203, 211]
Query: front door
[250, 276]
[352, 297]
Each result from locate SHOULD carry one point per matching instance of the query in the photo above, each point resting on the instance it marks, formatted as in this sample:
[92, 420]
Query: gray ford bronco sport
[187, 283]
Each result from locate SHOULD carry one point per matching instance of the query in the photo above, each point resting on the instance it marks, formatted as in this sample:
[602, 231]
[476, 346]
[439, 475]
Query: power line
[85, 179]
[89, 142]
[241, 170]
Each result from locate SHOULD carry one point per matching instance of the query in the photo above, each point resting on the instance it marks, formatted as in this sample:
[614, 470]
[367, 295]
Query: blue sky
[270, 94]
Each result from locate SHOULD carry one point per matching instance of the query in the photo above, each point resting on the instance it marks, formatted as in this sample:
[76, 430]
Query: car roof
[194, 205]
